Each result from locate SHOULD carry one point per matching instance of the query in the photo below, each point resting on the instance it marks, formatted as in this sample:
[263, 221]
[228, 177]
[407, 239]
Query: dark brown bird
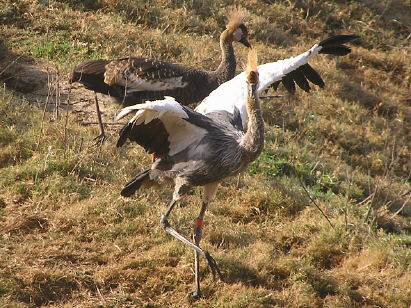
[133, 80]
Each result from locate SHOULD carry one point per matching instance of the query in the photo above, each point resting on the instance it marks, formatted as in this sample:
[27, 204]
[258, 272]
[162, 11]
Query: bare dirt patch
[43, 85]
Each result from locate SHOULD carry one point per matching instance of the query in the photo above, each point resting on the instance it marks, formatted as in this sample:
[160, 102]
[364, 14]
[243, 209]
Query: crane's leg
[199, 252]
[210, 191]
[167, 227]
[198, 233]
[100, 138]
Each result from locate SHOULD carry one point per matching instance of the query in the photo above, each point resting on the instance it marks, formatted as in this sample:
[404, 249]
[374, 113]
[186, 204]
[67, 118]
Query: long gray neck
[226, 69]
[253, 141]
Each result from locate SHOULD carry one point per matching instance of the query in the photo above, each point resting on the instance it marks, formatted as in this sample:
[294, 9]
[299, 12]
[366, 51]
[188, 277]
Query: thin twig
[165, 29]
[371, 203]
[402, 207]
[313, 201]
[57, 92]
[105, 123]
[44, 109]
[101, 295]
[238, 181]
[364, 201]
[271, 96]
[46, 160]
[47, 99]
[67, 116]
[385, 9]
[10, 64]
[80, 148]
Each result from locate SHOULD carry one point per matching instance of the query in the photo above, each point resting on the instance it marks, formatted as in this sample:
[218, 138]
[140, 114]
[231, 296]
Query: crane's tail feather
[93, 69]
[136, 182]
[91, 75]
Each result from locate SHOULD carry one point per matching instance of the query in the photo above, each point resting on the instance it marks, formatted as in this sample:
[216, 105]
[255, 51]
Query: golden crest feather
[236, 16]
[252, 60]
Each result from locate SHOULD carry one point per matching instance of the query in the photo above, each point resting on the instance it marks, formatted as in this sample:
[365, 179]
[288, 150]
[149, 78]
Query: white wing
[181, 133]
[231, 94]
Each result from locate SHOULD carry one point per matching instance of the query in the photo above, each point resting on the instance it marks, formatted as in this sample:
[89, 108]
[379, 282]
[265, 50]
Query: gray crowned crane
[295, 70]
[202, 150]
[133, 80]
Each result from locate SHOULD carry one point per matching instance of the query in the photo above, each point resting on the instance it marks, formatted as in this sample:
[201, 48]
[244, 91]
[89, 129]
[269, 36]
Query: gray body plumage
[224, 150]
[216, 156]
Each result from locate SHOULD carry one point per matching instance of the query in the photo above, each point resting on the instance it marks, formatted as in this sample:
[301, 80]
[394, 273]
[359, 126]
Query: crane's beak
[245, 42]
[252, 89]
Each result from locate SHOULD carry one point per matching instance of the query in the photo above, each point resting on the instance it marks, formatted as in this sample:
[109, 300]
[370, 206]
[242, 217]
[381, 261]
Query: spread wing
[162, 127]
[295, 70]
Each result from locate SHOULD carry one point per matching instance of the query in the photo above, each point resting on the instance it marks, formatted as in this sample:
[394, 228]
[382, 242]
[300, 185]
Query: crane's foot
[99, 140]
[213, 265]
[195, 294]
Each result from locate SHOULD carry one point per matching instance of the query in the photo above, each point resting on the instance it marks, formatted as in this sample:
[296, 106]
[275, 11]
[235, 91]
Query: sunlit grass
[68, 238]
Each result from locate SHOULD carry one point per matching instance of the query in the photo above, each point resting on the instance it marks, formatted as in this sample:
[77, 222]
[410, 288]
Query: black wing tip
[301, 80]
[275, 85]
[352, 36]
[334, 45]
[123, 135]
[338, 39]
[338, 50]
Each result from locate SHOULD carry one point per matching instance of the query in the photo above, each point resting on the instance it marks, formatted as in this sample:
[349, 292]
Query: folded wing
[141, 74]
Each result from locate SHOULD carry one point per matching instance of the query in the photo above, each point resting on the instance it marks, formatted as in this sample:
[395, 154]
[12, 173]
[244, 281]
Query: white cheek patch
[237, 34]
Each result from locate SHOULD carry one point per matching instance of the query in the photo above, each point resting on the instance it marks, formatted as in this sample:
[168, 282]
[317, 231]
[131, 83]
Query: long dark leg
[100, 138]
[198, 233]
[166, 226]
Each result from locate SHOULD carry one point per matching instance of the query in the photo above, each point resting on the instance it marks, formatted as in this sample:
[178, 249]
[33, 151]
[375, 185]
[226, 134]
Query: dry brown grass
[68, 239]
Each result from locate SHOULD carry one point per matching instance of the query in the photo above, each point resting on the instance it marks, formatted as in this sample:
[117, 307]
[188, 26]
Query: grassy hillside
[69, 239]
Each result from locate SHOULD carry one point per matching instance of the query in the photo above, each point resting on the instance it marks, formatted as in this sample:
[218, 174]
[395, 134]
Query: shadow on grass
[25, 224]
[237, 272]
[17, 73]
[44, 288]
[21, 74]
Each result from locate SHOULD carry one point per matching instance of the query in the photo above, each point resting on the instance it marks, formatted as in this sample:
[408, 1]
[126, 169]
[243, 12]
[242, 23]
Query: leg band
[199, 222]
